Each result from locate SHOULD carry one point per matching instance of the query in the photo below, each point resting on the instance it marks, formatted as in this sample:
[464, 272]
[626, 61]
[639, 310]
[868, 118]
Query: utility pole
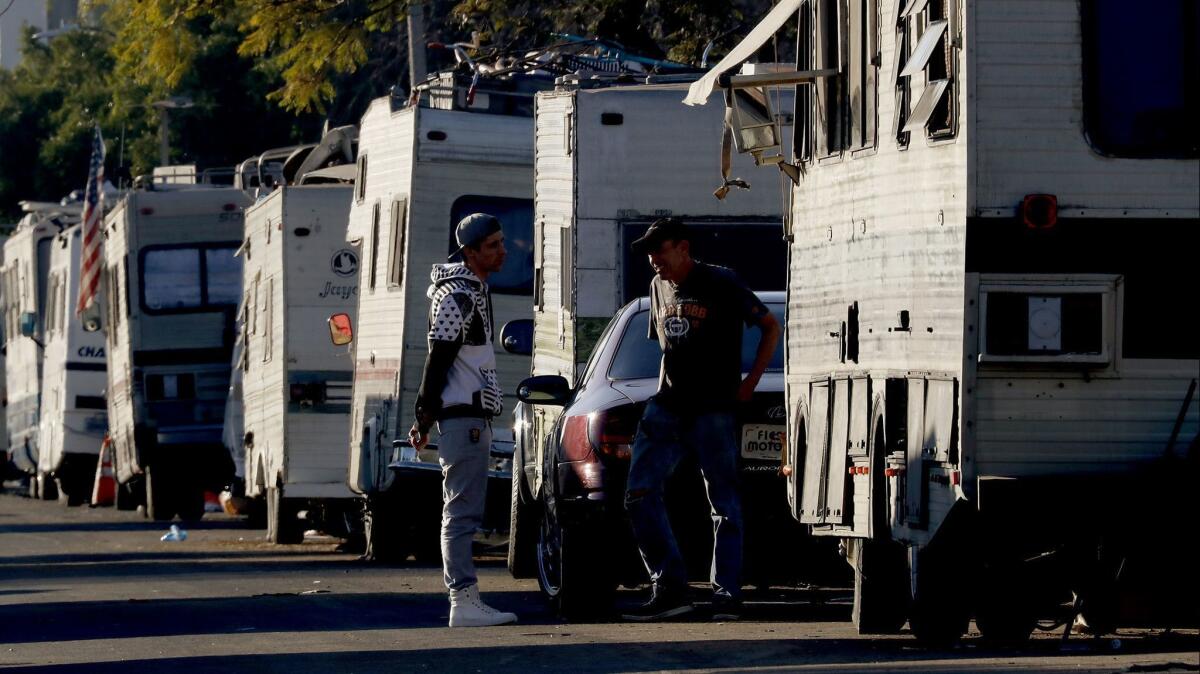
[416, 44]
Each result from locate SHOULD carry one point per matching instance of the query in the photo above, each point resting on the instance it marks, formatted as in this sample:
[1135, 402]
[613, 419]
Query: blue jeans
[663, 438]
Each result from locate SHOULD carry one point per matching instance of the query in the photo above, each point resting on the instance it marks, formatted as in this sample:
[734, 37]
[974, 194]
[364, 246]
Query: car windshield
[638, 357]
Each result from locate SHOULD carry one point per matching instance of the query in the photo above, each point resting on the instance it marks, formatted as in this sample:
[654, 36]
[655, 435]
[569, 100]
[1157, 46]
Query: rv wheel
[383, 539]
[42, 486]
[881, 594]
[130, 495]
[283, 525]
[160, 492]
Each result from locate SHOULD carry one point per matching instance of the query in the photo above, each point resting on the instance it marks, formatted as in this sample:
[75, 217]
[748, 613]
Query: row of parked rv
[981, 395]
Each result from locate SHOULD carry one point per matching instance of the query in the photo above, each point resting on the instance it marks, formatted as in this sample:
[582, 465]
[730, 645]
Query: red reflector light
[1039, 211]
[955, 477]
[146, 211]
[230, 207]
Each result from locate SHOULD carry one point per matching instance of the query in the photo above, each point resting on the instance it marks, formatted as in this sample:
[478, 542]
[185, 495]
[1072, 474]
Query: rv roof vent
[612, 118]
[301, 231]
[436, 135]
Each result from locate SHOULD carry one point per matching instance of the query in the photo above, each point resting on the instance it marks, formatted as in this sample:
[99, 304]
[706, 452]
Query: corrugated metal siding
[554, 208]
[386, 139]
[1029, 120]
[885, 228]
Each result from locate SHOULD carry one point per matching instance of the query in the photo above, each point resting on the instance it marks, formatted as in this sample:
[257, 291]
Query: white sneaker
[468, 610]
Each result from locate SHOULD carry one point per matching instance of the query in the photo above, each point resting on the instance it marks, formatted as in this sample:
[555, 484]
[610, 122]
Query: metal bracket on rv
[728, 81]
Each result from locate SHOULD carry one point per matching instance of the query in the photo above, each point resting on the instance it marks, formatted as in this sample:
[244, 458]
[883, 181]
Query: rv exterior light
[28, 324]
[341, 329]
[1039, 211]
[146, 211]
[229, 207]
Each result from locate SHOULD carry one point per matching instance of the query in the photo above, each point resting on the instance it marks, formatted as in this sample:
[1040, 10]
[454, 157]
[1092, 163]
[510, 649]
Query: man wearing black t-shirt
[697, 314]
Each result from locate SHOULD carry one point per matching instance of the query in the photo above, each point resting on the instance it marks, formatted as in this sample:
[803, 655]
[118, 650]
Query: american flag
[93, 217]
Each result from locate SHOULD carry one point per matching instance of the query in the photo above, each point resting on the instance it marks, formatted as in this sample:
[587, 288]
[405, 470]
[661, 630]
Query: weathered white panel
[1030, 135]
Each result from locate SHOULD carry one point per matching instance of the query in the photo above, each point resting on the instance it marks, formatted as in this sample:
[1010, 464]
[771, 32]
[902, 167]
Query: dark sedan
[584, 547]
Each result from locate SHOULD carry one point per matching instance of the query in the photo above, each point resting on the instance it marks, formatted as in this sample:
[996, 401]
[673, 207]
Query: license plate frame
[763, 442]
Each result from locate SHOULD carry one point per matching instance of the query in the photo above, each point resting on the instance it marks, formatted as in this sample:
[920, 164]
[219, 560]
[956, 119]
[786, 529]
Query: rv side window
[935, 22]
[1140, 77]
[360, 182]
[269, 320]
[189, 278]
[802, 132]
[829, 94]
[396, 246]
[864, 68]
[516, 217]
[374, 246]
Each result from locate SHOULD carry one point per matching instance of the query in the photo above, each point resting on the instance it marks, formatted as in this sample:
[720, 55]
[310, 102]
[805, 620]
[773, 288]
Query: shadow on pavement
[134, 525]
[848, 654]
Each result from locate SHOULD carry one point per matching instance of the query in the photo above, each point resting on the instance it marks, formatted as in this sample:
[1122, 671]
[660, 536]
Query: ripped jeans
[663, 438]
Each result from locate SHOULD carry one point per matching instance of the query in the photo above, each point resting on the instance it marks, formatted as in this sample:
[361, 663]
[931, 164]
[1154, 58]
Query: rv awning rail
[702, 88]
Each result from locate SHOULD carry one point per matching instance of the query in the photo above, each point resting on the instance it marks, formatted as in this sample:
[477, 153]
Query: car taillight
[612, 431]
[575, 443]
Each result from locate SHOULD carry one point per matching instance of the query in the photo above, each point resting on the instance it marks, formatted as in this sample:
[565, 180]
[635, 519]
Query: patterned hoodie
[460, 373]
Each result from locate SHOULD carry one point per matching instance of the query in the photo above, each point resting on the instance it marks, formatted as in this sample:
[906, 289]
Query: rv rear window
[516, 217]
[190, 278]
[1141, 97]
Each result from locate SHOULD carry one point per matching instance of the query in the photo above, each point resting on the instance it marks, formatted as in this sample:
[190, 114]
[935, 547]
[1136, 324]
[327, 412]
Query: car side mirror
[28, 324]
[546, 389]
[341, 329]
[517, 337]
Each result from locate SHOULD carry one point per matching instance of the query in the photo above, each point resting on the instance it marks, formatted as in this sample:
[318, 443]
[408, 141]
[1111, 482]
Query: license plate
[763, 442]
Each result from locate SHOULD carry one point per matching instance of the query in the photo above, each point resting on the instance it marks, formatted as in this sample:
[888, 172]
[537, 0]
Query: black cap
[663, 229]
[473, 229]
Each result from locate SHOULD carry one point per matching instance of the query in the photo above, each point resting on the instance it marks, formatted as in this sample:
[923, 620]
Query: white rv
[610, 159]
[991, 393]
[25, 274]
[73, 418]
[173, 286]
[297, 271]
[420, 169]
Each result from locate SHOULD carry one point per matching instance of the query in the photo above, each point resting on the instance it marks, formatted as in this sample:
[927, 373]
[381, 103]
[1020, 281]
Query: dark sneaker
[726, 608]
[662, 605]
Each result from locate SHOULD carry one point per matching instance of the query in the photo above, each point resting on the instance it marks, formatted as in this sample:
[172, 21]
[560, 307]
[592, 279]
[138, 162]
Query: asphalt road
[85, 590]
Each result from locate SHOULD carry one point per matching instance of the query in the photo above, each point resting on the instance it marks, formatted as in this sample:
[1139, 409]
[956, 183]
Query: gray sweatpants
[463, 450]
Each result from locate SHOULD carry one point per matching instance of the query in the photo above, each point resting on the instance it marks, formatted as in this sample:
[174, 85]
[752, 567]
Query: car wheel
[572, 572]
[283, 527]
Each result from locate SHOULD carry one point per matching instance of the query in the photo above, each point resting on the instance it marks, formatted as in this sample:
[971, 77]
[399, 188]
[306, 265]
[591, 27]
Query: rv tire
[523, 521]
[881, 585]
[384, 541]
[283, 526]
[160, 490]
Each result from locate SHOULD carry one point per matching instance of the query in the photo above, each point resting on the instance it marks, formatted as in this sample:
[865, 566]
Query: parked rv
[421, 168]
[989, 400]
[608, 163]
[26, 273]
[173, 286]
[297, 271]
[73, 417]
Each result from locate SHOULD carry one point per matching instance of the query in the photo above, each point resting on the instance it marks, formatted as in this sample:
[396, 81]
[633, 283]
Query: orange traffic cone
[104, 490]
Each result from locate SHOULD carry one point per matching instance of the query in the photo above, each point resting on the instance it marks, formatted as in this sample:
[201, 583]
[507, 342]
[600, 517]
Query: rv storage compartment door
[812, 492]
[835, 486]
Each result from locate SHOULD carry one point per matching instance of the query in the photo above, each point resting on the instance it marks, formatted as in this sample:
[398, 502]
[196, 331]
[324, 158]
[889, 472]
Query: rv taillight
[307, 395]
[229, 207]
[1039, 211]
[146, 211]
